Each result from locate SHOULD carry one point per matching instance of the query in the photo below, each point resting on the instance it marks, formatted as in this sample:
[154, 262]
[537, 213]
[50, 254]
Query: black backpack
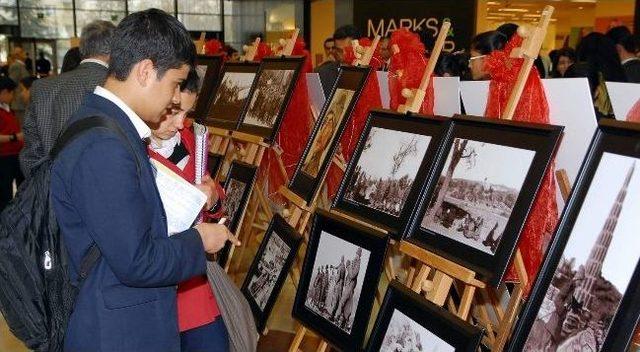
[36, 292]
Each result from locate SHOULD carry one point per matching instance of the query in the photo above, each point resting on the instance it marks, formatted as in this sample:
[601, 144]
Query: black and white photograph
[477, 192]
[234, 191]
[270, 265]
[325, 139]
[270, 268]
[238, 186]
[386, 169]
[404, 334]
[340, 275]
[267, 99]
[328, 129]
[594, 271]
[336, 283]
[231, 95]
[408, 322]
[208, 69]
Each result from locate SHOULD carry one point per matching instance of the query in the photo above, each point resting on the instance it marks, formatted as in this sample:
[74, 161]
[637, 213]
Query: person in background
[10, 143]
[173, 145]
[328, 47]
[598, 61]
[385, 52]
[25, 86]
[55, 99]
[454, 64]
[509, 30]
[482, 45]
[28, 63]
[43, 65]
[71, 60]
[232, 54]
[627, 46]
[17, 72]
[565, 57]
[328, 71]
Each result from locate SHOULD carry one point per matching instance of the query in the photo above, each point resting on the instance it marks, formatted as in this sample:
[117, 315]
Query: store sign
[382, 17]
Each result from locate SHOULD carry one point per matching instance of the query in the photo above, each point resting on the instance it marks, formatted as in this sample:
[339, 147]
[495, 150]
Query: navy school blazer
[128, 301]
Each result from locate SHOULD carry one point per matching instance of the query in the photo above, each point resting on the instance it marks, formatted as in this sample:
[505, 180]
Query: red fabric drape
[406, 69]
[532, 107]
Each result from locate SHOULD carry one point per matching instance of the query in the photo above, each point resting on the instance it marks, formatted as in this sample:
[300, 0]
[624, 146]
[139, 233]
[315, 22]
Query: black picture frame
[344, 236]
[268, 64]
[436, 320]
[305, 184]
[246, 174]
[434, 127]
[227, 117]
[214, 162]
[278, 228]
[612, 138]
[209, 80]
[542, 139]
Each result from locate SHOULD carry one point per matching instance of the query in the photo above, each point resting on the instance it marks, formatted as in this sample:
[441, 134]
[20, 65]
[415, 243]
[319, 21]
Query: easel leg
[297, 340]
[322, 346]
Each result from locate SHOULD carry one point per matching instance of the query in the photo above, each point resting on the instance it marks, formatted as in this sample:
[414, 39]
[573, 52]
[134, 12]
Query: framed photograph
[325, 138]
[339, 280]
[408, 322]
[214, 162]
[389, 168]
[586, 295]
[473, 209]
[237, 187]
[208, 68]
[269, 269]
[270, 95]
[230, 97]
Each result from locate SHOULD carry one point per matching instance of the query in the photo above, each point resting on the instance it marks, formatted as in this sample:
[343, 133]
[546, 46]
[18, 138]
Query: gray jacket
[18, 72]
[53, 101]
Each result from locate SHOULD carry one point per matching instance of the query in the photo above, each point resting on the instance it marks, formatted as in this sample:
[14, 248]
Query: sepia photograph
[596, 265]
[404, 334]
[201, 70]
[267, 99]
[231, 95]
[338, 273]
[269, 268]
[476, 193]
[327, 131]
[232, 203]
[386, 169]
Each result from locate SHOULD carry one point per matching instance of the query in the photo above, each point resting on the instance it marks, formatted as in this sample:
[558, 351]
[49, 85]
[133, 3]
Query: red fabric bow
[213, 47]
[634, 113]
[262, 51]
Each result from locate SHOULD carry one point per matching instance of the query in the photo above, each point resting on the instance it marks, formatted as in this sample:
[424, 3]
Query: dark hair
[192, 83]
[7, 83]
[454, 64]
[599, 55]
[566, 52]
[327, 41]
[95, 38]
[485, 43]
[28, 81]
[71, 59]
[347, 31]
[229, 50]
[631, 44]
[508, 29]
[617, 34]
[154, 35]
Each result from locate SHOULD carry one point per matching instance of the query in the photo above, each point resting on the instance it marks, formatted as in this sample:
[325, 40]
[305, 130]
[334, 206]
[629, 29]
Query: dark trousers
[208, 338]
[9, 172]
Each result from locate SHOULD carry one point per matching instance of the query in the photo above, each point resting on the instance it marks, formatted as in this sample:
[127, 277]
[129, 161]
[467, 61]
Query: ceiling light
[513, 10]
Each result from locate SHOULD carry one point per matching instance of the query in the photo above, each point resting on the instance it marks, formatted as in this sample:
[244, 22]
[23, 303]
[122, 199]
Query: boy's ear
[143, 72]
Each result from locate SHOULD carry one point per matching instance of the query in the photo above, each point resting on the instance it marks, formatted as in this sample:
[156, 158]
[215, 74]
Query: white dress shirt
[95, 61]
[141, 127]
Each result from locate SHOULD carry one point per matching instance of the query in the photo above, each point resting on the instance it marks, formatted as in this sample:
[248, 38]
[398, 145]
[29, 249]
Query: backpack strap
[70, 134]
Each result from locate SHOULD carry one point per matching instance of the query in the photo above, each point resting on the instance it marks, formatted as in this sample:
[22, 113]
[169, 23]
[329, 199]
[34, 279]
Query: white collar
[95, 61]
[5, 107]
[629, 59]
[141, 127]
[165, 147]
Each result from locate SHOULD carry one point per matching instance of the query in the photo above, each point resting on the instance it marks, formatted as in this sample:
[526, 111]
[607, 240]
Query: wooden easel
[416, 96]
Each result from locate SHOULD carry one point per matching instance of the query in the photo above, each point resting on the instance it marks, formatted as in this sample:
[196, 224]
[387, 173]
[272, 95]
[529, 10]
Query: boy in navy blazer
[128, 301]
